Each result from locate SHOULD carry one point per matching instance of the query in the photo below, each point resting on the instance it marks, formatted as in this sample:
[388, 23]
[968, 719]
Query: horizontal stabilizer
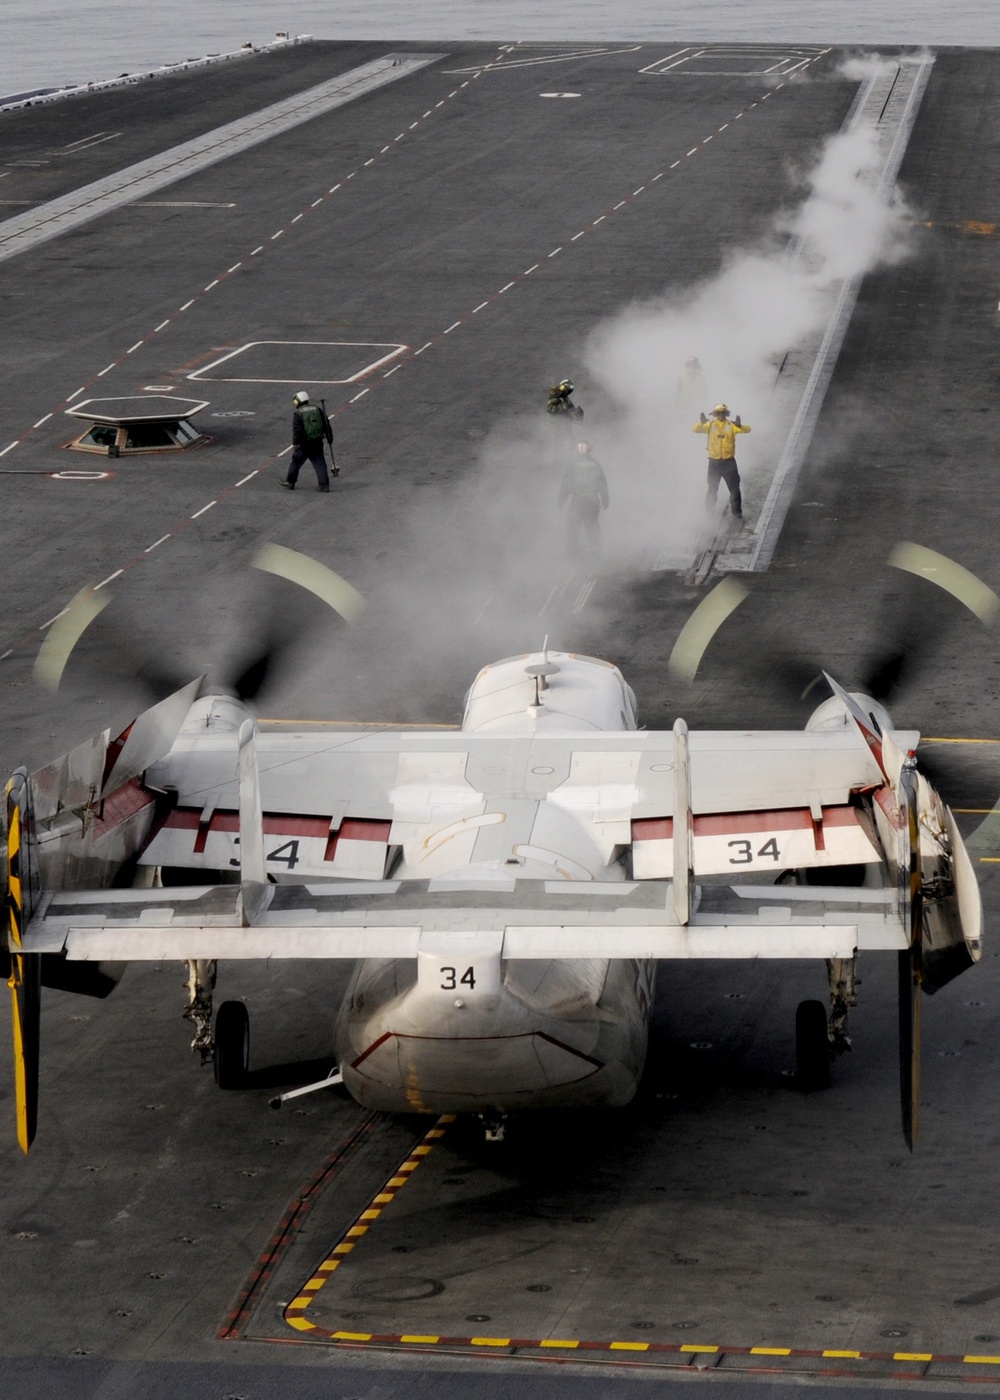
[537, 918]
[569, 942]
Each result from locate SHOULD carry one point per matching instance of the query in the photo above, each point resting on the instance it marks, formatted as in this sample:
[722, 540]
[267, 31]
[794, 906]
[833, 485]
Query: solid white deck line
[893, 104]
[139, 181]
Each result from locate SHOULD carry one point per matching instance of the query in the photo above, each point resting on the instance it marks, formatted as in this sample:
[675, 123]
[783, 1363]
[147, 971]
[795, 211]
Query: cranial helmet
[720, 408]
[567, 385]
[301, 397]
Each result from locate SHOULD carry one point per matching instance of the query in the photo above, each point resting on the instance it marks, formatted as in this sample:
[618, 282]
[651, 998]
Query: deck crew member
[690, 387]
[584, 492]
[560, 403]
[722, 456]
[310, 430]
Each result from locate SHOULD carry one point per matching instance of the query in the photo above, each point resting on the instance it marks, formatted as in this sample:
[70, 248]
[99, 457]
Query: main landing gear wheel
[812, 1046]
[231, 1053]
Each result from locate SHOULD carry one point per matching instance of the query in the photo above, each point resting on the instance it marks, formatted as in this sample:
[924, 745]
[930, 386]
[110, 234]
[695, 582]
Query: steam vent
[142, 423]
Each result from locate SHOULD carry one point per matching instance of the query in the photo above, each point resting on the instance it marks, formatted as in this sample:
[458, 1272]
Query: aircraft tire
[812, 1047]
[231, 1053]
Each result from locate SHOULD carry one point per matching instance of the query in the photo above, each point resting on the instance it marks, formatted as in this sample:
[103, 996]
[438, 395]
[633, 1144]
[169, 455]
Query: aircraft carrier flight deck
[427, 238]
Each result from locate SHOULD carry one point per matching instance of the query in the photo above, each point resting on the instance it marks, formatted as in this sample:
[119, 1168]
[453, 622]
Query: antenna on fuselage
[539, 674]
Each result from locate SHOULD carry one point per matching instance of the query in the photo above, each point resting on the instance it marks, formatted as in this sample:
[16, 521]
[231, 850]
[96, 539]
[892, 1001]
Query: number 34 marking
[452, 981]
[745, 852]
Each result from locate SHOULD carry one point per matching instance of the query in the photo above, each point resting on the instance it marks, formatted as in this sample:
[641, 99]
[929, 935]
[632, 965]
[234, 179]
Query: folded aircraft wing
[337, 806]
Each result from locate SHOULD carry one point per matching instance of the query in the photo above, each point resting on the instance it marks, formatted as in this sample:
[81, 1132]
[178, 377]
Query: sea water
[52, 43]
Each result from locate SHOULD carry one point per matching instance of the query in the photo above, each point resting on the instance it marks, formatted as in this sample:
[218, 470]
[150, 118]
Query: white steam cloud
[740, 324]
[492, 575]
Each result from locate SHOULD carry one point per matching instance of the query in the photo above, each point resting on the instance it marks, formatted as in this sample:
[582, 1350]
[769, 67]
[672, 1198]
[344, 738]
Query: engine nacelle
[831, 714]
[551, 691]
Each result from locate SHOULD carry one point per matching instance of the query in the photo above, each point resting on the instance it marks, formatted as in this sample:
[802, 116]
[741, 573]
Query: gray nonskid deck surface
[158, 172]
[783, 1221]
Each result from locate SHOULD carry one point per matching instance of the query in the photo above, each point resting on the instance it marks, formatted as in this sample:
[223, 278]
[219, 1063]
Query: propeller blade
[909, 1047]
[910, 960]
[25, 989]
[112, 654]
[945, 573]
[308, 573]
[701, 627]
[925, 619]
[25, 968]
[64, 634]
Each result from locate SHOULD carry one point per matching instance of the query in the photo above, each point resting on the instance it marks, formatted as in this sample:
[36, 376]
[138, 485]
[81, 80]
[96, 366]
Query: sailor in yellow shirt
[722, 466]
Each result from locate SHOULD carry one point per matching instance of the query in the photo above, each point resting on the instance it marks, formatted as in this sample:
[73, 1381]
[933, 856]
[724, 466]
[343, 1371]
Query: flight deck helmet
[721, 410]
[300, 398]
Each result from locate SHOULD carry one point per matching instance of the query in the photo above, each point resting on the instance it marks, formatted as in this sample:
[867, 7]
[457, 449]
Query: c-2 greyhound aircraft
[506, 889]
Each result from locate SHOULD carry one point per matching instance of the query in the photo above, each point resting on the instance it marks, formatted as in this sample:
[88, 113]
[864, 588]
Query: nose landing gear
[494, 1125]
[812, 1046]
[231, 1050]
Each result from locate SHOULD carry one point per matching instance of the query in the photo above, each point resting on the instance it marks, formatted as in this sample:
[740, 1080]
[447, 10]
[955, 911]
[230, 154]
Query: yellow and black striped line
[296, 1309]
[768, 1357]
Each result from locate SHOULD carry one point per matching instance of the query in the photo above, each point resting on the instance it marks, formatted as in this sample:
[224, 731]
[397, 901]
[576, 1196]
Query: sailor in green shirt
[584, 491]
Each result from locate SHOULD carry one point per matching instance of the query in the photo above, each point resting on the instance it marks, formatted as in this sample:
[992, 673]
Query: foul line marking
[289, 1225]
[294, 1313]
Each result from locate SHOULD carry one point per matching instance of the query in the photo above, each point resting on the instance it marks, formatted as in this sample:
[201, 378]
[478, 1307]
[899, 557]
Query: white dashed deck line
[160, 327]
[110, 579]
[437, 340]
[42, 420]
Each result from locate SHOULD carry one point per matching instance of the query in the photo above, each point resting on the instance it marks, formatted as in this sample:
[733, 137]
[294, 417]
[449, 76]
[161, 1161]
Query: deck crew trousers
[309, 452]
[725, 469]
